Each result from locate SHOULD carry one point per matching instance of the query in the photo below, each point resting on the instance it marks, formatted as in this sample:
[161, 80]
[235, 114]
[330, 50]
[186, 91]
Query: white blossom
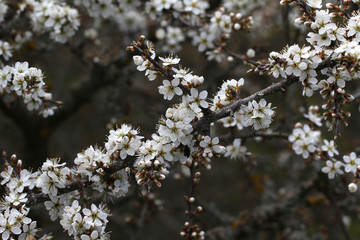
[332, 168]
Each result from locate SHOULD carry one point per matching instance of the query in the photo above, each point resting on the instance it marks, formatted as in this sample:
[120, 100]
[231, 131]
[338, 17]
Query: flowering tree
[206, 119]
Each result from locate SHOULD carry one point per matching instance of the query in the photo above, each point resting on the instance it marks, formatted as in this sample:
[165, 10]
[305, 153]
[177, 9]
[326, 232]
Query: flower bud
[141, 164]
[250, 53]
[340, 90]
[47, 96]
[141, 38]
[329, 5]
[138, 60]
[160, 33]
[237, 26]
[140, 181]
[352, 187]
[13, 158]
[299, 20]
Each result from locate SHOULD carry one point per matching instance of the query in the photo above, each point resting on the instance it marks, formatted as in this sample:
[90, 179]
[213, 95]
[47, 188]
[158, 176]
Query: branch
[337, 107]
[36, 198]
[100, 76]
[257, 134]
[345, 7]
[233, 107]
[302, 5]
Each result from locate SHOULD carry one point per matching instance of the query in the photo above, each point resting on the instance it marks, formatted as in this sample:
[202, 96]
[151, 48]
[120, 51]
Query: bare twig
[141, 220]
[338, 215]
[337, 108]
[303, 7]
[345, 9]
[258, 134]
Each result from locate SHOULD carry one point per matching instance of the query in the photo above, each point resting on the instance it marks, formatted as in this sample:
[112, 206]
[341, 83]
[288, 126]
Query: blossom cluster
[84, 223]
[236, 150]
[95, 164]
[256, 114]
[329, 40]
[207, 33]
[27, 82]
[174, 136]
[55, 17]
[14, 220]
[174, 130]
[54, 176]
[304, 140]
[350, 164]
[298, 62]
[123, 13]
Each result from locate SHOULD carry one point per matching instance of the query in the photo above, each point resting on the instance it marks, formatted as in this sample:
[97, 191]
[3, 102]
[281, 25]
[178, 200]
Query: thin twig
[141, 220]
[338, 215]
[258, 134]
[345, 12]
[337, 108]
[303, 7]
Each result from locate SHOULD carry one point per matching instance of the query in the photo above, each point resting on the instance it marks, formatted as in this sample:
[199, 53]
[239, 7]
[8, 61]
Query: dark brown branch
[36, 198]
[191, 227]
[233, 107]
[345, 8]
[303, 7]
[100, 76]
[257, 134]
